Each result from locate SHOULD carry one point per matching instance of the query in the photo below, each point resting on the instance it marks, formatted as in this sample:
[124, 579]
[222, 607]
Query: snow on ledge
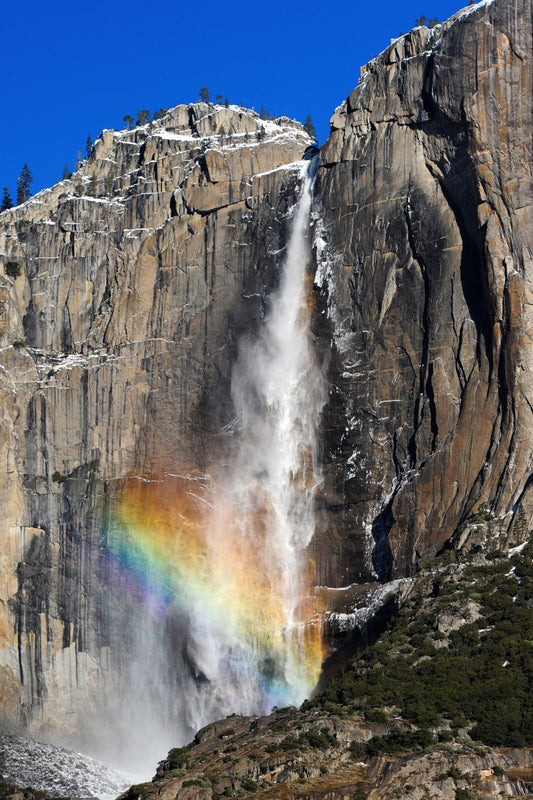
[465, 12]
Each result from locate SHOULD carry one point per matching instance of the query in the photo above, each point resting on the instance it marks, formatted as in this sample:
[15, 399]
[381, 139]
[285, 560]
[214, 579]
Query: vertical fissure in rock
[424, 377]
[473, 270]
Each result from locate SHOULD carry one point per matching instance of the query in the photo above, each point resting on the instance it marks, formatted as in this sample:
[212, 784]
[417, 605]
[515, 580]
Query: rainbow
[179, 548]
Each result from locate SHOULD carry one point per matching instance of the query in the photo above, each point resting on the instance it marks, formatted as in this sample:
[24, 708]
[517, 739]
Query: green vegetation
[58, 477]
[248, 785]
[143, 117]
[23, 185]
[199, 780]
[309, 127]
[12, 269]
[321, 739]
[477, 677]
[178, 758]
[203, 95]
[398, 742]
[139, 789]
[7, 202]
[431, 22]
[176, 773]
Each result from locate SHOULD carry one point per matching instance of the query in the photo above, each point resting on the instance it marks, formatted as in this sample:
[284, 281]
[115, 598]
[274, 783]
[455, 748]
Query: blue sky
[72, 69]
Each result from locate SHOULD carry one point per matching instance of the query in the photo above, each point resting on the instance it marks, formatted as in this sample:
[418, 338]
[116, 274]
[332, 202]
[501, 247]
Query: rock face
[123, 293]
[291, 755]
[425, 259]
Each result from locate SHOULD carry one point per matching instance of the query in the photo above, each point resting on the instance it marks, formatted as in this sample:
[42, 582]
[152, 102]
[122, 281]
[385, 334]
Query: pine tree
[520, 527]
[421, 21]
[143, 117]
[204, 95]
[309, 127]
[88, 146]
[160, 114]
[66, 172]
[23, 184]
[7, 202]
[226, 102]
[128, 119]
[219, 99]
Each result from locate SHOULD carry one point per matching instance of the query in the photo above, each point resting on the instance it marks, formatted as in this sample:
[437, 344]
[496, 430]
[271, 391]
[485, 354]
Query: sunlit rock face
[124, 293]
[425, 264]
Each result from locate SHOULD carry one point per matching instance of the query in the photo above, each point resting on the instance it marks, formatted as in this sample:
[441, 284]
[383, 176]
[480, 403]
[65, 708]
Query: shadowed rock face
[425, 186]
[136, 279]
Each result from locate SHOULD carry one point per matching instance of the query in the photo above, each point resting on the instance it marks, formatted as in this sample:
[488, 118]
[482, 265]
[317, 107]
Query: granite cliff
[425, 186]
[123, 295]
[125, 291]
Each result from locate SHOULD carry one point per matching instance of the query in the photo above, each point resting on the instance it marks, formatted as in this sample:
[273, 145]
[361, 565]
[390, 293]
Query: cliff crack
[425, 370]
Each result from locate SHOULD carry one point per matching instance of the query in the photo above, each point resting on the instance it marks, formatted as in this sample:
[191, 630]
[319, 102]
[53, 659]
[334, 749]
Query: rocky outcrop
[425, 263]
[123, 293]
[272, 757]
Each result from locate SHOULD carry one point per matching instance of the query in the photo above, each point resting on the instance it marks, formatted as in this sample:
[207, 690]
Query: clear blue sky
[71, 69]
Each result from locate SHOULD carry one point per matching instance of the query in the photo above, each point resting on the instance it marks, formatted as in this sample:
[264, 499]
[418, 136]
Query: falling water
[231, 622]
[278, 393]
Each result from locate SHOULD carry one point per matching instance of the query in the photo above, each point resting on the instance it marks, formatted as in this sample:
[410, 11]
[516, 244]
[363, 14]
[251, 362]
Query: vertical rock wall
[123, 293]
[425, 261]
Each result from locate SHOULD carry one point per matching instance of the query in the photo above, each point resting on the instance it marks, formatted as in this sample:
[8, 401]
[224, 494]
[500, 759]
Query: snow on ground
[514, 550]
[60, 772]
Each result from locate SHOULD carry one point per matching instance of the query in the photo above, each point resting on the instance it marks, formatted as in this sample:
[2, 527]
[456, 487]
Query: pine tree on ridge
[23, 185]
[7, 202]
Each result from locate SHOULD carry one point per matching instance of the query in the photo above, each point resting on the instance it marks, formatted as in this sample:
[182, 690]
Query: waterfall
[231, 623]
[278, 392]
